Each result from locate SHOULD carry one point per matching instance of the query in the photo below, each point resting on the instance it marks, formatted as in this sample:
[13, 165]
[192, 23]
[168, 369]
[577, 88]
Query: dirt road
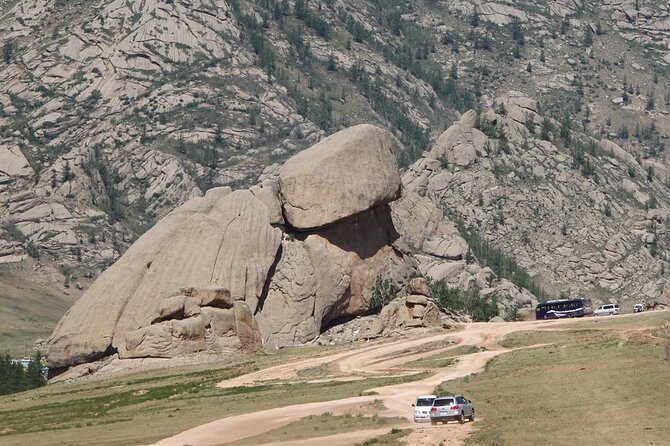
[376, 360]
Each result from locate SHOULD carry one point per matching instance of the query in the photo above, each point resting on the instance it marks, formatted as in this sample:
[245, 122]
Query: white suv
[422, 407]
[607, 309]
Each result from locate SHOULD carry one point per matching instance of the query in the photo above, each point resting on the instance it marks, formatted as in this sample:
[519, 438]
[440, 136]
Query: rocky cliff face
[579, 213]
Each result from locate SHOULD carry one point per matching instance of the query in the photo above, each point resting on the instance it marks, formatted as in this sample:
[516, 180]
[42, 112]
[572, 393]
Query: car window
[424, 402]
[443, 402]
[461, 400]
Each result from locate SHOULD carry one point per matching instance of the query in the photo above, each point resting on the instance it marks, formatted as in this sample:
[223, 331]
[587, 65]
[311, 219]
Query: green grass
[322, 425]
[585, 388]
[441, 360]
[148, 406]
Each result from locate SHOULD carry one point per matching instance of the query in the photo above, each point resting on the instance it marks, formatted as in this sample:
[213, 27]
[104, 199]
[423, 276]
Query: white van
[422, 407]
[606, 310]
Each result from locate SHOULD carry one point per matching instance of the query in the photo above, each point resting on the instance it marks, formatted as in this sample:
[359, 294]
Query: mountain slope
[113, 113]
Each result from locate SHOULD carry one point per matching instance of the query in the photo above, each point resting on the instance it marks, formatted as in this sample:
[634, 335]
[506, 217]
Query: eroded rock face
[223, 240]
[344, 174]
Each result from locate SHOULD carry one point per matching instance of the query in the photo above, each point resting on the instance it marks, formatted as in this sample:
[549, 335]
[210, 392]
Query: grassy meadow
[145, 407]
[592, 381]
[597, 382]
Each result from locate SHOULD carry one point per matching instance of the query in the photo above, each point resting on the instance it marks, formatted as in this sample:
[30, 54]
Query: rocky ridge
[581, 215]
[115, 113]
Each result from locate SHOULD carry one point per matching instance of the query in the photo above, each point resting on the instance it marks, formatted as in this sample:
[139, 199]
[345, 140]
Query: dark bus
[555, 309]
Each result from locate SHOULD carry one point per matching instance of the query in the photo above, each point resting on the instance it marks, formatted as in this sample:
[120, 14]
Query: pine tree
[566, 124]
[650, 101]
[546, 129]
[474, 20]
[8, 51]
[34, 377]
[588, 38]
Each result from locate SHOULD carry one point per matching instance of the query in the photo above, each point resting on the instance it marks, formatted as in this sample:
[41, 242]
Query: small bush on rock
[383, 292]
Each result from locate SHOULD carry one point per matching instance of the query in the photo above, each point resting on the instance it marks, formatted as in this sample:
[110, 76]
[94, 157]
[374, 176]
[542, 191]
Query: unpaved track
[369, 361]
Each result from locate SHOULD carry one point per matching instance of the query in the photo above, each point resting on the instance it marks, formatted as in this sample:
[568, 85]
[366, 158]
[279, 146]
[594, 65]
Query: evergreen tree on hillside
[14, 378]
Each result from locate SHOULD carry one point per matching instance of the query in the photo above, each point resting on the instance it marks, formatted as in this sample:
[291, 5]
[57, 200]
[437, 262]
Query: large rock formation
[215, 274]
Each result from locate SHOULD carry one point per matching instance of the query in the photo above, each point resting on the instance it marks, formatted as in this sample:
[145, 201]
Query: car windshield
[424, 401]
[443, 402]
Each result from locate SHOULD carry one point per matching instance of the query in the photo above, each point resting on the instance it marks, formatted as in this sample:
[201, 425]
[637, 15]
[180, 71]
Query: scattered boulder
[419, 285]
[413, 311]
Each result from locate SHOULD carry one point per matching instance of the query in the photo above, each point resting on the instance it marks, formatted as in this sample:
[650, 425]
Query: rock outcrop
[461, 143]
[215, 274]
[545, 205]
[416, 310]
[346, 173]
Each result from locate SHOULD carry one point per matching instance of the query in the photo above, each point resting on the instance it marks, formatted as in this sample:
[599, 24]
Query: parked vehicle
[451, 408]
[422, 407]
[607, 310]
[639, 308]
[556, 309]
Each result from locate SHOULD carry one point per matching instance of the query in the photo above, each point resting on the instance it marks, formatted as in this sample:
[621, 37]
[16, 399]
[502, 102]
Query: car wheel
[570, 316]
[472, 416]
[461, 418]
[545, 317]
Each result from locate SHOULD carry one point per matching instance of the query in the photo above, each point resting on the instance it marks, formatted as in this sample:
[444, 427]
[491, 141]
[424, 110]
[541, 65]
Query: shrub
[481, 309]
[13, 233]
[546, 129]
[472, 302]
[383, 292]
[32, 250]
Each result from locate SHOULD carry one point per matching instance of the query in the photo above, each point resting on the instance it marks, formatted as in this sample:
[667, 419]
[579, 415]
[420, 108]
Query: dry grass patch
[28, 311]
[393, 438]
[319, 371]
[585, 388]
[322, 425]
[422, 348]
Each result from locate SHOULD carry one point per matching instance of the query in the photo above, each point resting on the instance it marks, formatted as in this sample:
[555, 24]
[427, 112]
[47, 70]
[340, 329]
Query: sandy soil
[368, 361]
